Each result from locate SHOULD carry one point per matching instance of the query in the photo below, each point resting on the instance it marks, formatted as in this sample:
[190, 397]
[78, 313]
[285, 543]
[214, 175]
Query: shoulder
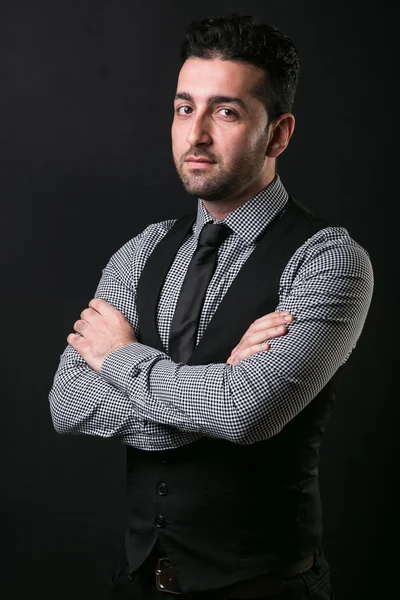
[147, 240]
[131, 257]
[332, 252]
[336, 247]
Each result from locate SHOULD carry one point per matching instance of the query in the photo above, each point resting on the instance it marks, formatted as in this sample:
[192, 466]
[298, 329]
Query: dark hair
[243, 38]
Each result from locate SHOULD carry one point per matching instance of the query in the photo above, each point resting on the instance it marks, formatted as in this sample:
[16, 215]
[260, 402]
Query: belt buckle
[163, 580]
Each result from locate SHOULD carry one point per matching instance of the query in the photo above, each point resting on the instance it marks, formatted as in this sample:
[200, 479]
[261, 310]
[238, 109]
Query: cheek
[178, 139]
[235, 140]
[235, 146]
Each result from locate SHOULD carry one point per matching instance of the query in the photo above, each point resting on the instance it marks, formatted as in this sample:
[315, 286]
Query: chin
[196, 188]
[206, 193]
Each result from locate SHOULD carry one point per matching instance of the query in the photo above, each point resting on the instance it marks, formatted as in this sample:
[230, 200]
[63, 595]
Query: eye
[184, 110]
[227, 113]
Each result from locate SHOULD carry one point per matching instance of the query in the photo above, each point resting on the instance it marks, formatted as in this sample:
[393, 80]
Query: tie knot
[213, 234]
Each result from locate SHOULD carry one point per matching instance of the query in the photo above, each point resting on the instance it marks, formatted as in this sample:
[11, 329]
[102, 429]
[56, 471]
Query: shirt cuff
[120, 366]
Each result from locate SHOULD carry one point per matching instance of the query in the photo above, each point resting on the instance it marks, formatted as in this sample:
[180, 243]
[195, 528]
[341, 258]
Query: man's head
[242, 38]
[233, 106]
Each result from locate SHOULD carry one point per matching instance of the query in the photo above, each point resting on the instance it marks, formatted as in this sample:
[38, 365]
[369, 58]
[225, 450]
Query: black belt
[268, 585]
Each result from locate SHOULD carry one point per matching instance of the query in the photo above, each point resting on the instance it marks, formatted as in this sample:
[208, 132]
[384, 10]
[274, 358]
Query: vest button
[160, 521]
[162, 489]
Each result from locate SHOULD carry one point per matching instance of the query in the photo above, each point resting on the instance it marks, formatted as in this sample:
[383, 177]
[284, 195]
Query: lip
[199, 162]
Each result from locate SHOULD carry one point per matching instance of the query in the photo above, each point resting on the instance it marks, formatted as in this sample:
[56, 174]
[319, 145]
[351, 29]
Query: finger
[266, 328]
[268, 321]
[73, 339]
[89, 315]
[239, 350]
[102, 306]
[263, 335]
[80, 326]
[249, 351]
[276, 313]
[78, 343]
[271, 320]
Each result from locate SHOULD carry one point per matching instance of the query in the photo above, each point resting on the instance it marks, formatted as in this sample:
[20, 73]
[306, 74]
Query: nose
[199, 131]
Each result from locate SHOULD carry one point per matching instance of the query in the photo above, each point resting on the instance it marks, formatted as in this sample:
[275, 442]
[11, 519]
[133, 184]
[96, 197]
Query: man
[222, 429]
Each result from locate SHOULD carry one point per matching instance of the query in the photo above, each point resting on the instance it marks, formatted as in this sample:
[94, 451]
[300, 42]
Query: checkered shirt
[144, 399]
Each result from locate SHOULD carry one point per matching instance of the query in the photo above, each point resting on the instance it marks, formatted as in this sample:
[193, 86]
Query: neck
[219, 209]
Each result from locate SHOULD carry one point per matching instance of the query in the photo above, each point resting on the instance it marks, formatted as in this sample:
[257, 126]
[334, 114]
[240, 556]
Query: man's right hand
[259, 333]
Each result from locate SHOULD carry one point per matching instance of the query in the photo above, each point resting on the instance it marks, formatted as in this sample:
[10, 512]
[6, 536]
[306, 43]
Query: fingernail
[288, 317]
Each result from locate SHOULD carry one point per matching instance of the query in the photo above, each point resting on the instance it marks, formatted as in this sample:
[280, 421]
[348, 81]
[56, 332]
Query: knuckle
[95, 302]
[99, 326]
[121, 318]
[237, 356]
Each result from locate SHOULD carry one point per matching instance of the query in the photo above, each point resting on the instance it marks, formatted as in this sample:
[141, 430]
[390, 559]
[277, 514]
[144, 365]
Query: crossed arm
[84, 402]
[102, 329]
[110, 385]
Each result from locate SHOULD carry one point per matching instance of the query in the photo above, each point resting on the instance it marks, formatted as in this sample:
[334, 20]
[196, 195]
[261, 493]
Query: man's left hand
[104, 329]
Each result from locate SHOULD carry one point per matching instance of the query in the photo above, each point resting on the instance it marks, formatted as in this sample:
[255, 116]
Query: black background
[85, 112]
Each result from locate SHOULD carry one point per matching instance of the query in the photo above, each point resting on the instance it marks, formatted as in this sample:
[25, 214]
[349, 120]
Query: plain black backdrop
[85, 111]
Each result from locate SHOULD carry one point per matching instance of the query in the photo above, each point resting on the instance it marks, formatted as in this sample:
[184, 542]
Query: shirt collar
[252, 218]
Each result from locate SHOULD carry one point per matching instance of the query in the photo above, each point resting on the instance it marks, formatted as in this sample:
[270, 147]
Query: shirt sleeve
[329, 296]
[84, 402]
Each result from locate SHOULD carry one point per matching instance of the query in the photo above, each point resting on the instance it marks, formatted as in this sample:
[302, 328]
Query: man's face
[219, 131]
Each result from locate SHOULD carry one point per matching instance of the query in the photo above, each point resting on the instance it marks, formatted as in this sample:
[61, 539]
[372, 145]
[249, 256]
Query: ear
[281, 131]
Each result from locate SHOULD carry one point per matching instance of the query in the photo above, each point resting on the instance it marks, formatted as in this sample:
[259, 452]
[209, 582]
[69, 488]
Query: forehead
[206, 77]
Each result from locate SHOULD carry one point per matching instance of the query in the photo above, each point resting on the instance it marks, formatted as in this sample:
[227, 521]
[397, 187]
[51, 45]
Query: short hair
[243, 38]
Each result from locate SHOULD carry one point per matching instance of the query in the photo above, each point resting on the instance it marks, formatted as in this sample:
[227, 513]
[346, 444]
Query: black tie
[183, 334]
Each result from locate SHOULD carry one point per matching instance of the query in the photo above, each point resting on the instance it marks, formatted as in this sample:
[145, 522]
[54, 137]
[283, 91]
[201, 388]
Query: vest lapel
[153, 276]
[255, 290]
[253, 293]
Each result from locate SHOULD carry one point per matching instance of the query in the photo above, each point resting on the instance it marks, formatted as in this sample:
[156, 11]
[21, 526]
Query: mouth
[198, 163]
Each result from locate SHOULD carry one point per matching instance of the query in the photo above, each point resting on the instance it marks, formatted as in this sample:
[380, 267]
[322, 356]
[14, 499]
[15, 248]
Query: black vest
[227, 512]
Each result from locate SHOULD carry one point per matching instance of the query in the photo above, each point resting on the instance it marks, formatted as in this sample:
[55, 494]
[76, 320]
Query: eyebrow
[214, 99]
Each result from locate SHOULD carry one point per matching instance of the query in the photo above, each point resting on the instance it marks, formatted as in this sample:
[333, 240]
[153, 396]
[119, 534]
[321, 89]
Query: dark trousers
[312, 584]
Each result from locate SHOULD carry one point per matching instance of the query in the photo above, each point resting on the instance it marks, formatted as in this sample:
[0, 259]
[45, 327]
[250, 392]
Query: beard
[221, 183]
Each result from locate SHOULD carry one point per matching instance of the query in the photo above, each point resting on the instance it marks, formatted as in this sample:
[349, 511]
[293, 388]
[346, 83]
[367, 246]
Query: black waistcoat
[227, 512]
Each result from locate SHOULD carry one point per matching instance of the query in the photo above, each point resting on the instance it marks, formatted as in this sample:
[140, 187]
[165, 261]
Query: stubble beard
[206, 186]
[226, 182]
